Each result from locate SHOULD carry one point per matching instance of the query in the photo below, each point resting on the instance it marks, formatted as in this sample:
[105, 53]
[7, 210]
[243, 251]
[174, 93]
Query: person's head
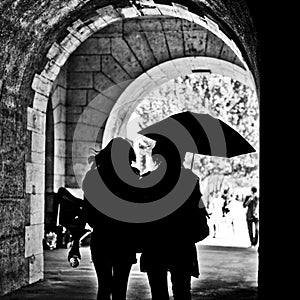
[226, 191]
[253, 190]
[117, 148]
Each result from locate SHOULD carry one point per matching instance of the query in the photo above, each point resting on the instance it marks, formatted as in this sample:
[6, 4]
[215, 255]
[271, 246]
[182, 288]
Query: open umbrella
[199, 133]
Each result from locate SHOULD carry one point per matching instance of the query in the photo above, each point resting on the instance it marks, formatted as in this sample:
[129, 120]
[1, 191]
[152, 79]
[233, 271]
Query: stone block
[151, 25]
[41, 85]
[183, 65]
[86, 132]
[34, 239]
[60, 131]
[73, 118]
[195, 42]
[139, 45]
[80, 30]
[237, 61]
[212, 26]
[166, 10]
[157, 75]
[37, 206]
[84, 63]
[59, 148]
[169, 70]
[79, 150]
[62, 77]
[94, 46]
[182, 11]
[59, 97]
[123, 54]
[100, 102]
[59, 165]
[151, 11]
[92, 94]
[77, 97]
[97, 23]
[129, 12]
[51, 70]
[74, 182]
[112, 69]
[198, 20]
[36, 120]
[113, 93]
[93, 117]
[58, 54]
[191, 26]
[38, 142]
[40, 102]
[58, 181]
[35, 181]
[37, 157]
[59, 114]
[102, 82]
[70, 43]
[158, 45]
[36, 268]
[77, 80]
[108, 13]
[227, 53]
[213, 45]
[175, 43]
[111, 30]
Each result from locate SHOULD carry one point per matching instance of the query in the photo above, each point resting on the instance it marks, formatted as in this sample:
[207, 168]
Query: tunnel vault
[95, 72]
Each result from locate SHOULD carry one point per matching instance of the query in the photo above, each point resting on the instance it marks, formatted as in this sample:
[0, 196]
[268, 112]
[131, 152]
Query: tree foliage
[229, 100]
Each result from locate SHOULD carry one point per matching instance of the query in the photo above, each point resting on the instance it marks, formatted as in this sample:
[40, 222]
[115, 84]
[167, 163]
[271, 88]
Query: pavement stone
[226, 273]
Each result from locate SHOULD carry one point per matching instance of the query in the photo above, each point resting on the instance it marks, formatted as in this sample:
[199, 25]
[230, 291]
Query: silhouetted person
[170, 242]
[252, 215]
[216, 208]
[112, 242]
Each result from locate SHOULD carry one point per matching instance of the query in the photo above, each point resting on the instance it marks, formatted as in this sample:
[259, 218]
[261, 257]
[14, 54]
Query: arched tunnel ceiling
[29, 28]
[134, 45]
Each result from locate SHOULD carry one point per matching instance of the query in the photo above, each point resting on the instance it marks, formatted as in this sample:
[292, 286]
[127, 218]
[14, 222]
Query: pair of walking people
[166, 244]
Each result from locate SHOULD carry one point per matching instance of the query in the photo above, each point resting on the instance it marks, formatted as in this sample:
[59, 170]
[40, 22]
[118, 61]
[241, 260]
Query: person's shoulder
[90, 174]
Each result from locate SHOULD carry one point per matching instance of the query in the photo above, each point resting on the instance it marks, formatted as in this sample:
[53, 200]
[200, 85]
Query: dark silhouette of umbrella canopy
[199, 133]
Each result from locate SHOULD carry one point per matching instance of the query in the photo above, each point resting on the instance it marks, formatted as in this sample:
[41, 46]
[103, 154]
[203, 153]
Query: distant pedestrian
[252, 215]
[215, 208]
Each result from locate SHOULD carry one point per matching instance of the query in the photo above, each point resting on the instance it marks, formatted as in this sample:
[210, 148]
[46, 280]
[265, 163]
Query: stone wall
[27, 75]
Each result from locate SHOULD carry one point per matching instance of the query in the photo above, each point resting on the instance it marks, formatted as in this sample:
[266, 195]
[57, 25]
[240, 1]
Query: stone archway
[48, 36]
[137, 44]
[144, 84]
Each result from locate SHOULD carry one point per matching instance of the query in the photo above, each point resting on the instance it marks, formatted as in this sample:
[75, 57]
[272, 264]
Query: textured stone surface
[36, 40]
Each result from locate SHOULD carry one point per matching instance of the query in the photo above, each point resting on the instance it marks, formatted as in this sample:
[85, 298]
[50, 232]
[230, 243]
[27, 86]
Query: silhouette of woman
[112, 248]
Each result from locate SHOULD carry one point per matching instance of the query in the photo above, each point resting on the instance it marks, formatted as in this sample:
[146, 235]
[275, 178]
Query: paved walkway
[226, 273]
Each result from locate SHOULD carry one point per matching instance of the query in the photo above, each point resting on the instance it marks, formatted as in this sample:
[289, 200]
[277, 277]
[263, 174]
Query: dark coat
[169, 241]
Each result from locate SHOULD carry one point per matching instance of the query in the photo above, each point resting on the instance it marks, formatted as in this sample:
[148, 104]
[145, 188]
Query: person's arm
[247, 201]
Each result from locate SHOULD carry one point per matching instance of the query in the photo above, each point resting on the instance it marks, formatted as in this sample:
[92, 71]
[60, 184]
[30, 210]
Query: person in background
[252, 215]
[215, 208]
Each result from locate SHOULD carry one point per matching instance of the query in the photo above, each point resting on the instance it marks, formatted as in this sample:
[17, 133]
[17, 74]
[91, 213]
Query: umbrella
[199, 133]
